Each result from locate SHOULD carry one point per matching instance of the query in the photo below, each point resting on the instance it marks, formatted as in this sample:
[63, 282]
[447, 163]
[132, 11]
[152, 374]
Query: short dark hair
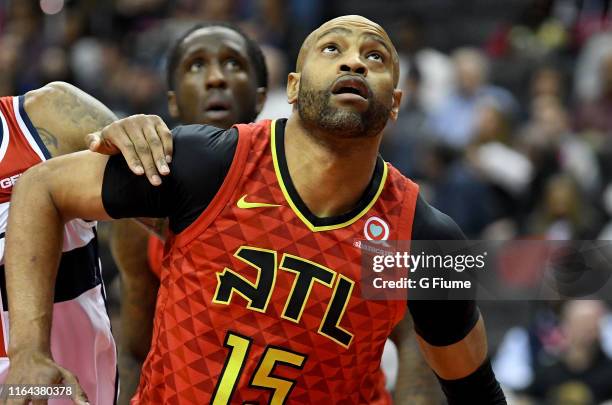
[253, 49]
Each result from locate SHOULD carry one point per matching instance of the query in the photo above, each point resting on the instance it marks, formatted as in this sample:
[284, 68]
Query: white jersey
[81, 339]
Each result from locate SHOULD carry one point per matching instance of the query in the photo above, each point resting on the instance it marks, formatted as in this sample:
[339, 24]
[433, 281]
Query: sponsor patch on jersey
[376, 229]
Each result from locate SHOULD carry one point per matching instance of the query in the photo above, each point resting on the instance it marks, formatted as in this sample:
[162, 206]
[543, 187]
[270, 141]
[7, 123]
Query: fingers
[166, 138]
[94, 141]
[77, 393]
[125, 145]
[157, 150]
[143, 151]
[144, 140]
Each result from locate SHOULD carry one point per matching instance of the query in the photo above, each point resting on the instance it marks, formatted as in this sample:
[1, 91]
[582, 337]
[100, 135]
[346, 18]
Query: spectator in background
[538, 30]
[276, 105]
[606, 232]
[563, 213]
[594, 115]
[9, 57]
[523, 348]
[556, 349]
[434, 68]
[547, 80]
[583, 371]
[587, 72]
[455, 121]
[548, 140]
[452, 185]
[406, 140]
[506, 171]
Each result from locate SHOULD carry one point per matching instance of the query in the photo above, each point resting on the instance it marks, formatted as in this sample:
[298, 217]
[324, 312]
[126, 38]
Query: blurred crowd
[506, 124]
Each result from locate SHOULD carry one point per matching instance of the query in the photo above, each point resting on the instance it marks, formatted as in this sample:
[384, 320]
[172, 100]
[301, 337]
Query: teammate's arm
[68, 120]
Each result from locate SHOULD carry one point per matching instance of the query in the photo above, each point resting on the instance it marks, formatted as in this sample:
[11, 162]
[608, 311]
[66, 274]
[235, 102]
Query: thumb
[94, 141]
[72, 383]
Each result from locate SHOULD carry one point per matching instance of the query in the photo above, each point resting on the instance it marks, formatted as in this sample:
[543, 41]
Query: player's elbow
[34, 181]
[61, 86]
[33, 191]
[56, 91]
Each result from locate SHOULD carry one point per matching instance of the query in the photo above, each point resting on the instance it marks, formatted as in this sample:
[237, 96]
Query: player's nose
[215, 78]
[353, 63]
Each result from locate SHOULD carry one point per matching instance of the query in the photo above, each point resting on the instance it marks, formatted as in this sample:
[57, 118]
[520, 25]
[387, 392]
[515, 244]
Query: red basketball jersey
[155, 254]
[18, 152]
[258, 304]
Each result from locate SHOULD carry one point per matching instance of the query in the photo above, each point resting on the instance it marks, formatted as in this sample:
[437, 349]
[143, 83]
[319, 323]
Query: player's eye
[330, 49]
[233, 64]
[196, 65]
[375, 56]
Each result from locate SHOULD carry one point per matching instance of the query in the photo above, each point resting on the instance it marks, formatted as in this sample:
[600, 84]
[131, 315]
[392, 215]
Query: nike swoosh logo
[242, 203]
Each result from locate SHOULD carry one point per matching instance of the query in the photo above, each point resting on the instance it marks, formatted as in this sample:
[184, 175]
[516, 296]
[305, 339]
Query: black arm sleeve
[480, 387]
[440, 323]
[202, 158]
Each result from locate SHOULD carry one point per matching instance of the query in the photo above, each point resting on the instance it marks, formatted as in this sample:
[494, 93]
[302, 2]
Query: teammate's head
[346, 77]
[216, 75]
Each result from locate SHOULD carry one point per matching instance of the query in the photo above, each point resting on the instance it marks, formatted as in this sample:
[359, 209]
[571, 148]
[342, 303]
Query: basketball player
[216, 75]
[41, 124]
[258, 301]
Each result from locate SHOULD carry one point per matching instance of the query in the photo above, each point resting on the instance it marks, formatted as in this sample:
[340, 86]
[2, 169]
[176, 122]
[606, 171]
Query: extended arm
[43, 200]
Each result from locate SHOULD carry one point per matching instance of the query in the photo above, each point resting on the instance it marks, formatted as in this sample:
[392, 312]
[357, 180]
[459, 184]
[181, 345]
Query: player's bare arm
[416, 384]
[139, 293]
[80, 115]
[69, 120]
[32, 254]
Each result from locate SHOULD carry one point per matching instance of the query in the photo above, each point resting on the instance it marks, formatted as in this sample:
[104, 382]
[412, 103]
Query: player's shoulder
[203, 142]
[202, 150]
[43, 97]
[432, 224]
[204, 136]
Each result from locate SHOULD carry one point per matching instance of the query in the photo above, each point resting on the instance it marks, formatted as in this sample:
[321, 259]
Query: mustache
[349, 76]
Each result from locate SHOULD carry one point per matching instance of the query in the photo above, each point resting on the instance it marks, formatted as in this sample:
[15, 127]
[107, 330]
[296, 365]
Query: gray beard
[316, 112]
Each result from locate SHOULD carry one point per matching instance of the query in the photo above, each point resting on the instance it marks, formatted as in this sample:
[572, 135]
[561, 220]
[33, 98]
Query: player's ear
[260, 98]
[395, 106]
[173, 108]
[293, 87]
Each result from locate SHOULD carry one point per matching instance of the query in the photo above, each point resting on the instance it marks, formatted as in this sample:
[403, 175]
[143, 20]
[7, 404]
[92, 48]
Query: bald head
[348, 24]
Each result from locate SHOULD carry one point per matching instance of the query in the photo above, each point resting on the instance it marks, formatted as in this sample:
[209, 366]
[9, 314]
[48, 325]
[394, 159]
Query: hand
[37, 368]
[144, 140]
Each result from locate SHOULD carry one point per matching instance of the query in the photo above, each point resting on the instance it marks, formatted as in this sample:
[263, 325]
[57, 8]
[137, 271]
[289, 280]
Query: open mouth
[351, 85]
[217, 107]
